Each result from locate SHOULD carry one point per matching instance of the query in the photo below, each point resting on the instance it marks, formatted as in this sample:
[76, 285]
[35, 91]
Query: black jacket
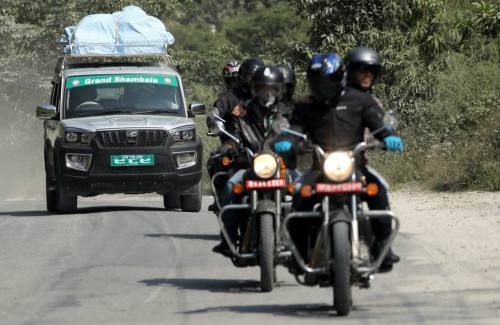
[340, 125]
[226, 102]
[255, 128]
[229, 99]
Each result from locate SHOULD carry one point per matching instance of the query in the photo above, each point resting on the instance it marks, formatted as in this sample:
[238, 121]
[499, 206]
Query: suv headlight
[78, 136]
[265, 166]
[338, 166]
[184, 134]
[185, 159]
[78, 161]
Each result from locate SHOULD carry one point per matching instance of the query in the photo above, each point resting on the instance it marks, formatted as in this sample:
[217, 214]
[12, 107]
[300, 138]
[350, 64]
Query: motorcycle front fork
[254, 201]
[322, 241]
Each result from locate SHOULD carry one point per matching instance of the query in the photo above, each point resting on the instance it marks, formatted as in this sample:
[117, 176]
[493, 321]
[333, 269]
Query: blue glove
[394, 143]
[282, 146]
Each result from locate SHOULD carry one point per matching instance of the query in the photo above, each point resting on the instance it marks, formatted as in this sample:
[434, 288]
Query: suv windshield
[123, 94]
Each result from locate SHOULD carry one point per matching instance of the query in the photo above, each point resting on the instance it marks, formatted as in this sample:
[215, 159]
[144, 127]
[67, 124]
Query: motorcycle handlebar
[368, 145]
[358, 149]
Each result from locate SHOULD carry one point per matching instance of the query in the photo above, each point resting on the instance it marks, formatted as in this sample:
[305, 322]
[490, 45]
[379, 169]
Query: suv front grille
[131, 138]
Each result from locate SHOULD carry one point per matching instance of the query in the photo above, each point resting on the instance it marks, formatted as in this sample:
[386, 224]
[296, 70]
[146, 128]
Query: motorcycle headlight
[265, 166]
[338, 166]
[78, 136]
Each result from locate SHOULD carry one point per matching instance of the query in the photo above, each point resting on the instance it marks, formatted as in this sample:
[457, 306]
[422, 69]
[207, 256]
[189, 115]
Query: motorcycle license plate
[132, 160]
[348, 187]
[270, 183]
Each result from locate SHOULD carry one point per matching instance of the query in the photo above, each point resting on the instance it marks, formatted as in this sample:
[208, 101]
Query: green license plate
[132, 160]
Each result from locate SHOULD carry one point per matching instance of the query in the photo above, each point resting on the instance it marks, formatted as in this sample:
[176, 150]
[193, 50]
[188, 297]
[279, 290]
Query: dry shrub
[471, 162]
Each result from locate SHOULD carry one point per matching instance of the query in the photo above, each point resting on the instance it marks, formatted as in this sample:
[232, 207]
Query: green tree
[272, 31]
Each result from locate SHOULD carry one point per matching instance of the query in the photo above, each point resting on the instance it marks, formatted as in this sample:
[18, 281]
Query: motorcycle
[335, 248]
[263, 195]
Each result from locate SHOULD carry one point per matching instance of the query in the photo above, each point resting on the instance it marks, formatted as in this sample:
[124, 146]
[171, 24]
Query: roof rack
[73, 59]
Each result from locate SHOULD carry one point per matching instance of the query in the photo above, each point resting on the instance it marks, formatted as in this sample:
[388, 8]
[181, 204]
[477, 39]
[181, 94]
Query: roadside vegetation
[442, 69]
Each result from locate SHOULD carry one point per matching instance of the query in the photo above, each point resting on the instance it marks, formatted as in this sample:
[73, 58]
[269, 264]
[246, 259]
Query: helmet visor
[364, 67]
[326, 90]
[267, 95]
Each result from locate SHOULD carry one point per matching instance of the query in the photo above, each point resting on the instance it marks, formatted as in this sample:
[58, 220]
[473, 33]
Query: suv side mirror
[46, 112]
[196, 109]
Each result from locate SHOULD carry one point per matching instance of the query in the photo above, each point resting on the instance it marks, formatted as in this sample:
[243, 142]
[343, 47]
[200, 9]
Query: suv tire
[192, 202]
[171, 201]
[50, 195]
[65, 203]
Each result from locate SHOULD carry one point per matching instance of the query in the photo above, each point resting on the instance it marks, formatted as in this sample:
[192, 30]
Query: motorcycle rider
[230, 105]
[230, 74]
[363, 68]
[256, 132]
[290, 80]
[232, 102]
[334, 117]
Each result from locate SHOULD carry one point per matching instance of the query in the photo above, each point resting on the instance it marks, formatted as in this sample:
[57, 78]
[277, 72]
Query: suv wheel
[50, 194]
[65, 203]
[192, 202]
[171, 201]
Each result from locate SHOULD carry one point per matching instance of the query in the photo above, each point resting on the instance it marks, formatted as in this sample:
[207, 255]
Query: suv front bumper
[163, 177]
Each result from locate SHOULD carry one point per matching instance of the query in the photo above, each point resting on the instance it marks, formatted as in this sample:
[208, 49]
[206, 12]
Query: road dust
[21, 147]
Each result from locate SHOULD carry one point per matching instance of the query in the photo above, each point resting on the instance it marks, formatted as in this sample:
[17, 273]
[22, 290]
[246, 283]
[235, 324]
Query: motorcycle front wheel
[266, 252]
[341, 268]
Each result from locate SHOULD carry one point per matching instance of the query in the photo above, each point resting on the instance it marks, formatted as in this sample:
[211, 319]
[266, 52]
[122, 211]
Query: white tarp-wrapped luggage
[127, 32]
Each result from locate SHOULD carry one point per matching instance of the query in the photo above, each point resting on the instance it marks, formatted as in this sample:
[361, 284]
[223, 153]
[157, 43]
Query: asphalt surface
[128, 261]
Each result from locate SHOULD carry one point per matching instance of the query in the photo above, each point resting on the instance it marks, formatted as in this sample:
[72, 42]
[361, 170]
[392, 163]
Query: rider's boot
[389, 260]
[213, 208]
[222, 248]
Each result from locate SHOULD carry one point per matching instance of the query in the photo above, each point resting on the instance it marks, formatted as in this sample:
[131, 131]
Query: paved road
[120, 261]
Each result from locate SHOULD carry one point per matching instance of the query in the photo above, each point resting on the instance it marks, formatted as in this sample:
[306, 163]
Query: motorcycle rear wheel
[341, 267]
[266, 252]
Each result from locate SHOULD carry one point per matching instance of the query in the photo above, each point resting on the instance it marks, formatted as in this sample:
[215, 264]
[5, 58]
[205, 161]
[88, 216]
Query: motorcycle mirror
[391, 121]
[217, 129]
[280, 124]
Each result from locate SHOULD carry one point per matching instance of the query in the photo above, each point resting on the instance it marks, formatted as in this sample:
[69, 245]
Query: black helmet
[267, 85]
[230, 73]
[247, 69]
[289, 80]
[362, 58]
[326, 76]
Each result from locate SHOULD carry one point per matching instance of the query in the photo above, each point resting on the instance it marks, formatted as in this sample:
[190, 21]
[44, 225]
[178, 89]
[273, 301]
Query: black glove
[228, 149]
[211, 119]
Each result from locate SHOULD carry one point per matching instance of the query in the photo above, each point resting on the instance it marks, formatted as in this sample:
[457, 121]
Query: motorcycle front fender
[340, 215]
[266, 206]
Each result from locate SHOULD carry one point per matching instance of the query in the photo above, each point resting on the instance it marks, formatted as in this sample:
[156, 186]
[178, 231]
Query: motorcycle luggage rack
[372, 268]
[385, 249]
[232, 246]
[291, 244]
[214, 189]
